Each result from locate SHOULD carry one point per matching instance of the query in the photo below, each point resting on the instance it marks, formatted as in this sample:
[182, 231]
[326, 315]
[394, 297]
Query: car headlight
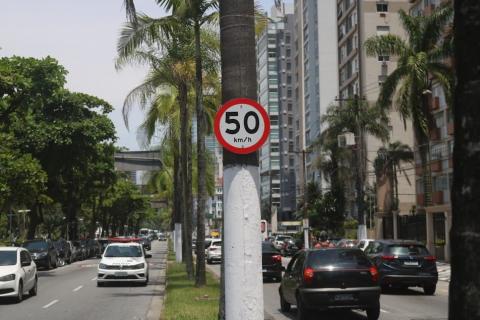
[41, 254]
[139, 266]
[9, 277]
[102, 266]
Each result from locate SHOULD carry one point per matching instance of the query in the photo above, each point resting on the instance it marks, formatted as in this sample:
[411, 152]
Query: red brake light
[277, 258]
[430, 258]
[388, 258]
[308, 275]
[374, 273]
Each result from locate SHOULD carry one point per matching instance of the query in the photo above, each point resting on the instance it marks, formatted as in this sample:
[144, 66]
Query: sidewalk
[158, 266]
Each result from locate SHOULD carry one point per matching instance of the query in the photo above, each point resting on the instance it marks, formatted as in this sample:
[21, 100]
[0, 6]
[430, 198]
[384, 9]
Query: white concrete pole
[178, 242]
[243, 254]
[306, 234]
[395, 225]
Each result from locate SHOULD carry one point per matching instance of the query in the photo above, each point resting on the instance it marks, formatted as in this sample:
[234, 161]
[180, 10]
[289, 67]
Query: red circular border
[228, 146]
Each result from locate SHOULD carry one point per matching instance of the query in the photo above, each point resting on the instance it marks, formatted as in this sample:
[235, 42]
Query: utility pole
[306, 224]
[242, 254]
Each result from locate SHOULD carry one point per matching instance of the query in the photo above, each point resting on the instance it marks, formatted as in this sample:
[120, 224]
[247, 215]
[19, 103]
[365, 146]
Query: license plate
[411, 263]
[343, 297]
[121, 274]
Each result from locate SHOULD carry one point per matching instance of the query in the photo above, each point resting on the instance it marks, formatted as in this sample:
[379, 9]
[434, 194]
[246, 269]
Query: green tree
[420, 60]
[354, 116]
[388, 164]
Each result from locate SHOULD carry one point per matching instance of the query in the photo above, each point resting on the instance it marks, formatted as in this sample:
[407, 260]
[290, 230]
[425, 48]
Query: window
[289, 79]
[383, 58]
[440, 183]
[289, 107]
[288, 52]
[289, 66]
[382, 7]
[289, 93]
[383, 30]
[291, 162]
[290, 121]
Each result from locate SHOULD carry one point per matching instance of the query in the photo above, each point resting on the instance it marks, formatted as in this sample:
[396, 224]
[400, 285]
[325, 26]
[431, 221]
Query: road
[408, 304]
[70, 293]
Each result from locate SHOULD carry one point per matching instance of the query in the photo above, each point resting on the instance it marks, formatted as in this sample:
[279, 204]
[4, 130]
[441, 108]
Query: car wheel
[19, 296]
[429, 289]
[374, 312]
[284, 305]
[301, 310]
[34, 290]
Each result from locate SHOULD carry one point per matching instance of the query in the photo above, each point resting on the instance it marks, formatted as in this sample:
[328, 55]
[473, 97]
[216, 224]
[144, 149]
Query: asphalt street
[409, 304]
[71, 293]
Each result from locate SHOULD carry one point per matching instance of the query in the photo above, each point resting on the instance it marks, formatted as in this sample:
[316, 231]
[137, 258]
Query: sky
[82, 36]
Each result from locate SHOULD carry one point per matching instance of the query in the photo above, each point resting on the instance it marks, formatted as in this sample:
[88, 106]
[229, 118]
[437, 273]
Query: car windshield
[35, 245]
[337, 258]
[8, 258]
[123, 251]
[407, 250]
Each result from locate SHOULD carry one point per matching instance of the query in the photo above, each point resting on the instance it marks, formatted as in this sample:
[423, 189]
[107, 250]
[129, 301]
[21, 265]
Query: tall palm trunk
[424, 153]
[465, 234]
[186, 211]
[176, 214]
[200, 279]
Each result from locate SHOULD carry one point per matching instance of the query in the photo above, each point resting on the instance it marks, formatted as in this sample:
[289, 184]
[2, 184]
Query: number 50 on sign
[242, 126]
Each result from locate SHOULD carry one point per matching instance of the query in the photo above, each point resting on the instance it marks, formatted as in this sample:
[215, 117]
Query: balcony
[420, 200]
[437, 197]
[436, 166]
[451, 128]
[434, 134]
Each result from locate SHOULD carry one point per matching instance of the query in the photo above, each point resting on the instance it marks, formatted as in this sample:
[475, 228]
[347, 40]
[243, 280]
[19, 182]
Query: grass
[186, 302]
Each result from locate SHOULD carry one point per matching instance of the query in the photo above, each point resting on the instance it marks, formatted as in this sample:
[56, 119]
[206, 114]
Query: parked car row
[345, 277]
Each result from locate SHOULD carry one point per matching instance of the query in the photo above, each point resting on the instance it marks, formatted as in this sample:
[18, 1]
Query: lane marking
[93, 279]
[77, 288]
[50, 304]
[384, 311]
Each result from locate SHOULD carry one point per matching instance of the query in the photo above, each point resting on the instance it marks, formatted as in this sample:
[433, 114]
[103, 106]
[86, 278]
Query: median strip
[50, 304]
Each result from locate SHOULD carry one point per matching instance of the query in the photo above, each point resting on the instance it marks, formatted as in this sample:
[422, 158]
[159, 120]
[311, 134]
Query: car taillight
[374, 273]
[277, 258]
[308, 275]
[430, 258]
[388, 258]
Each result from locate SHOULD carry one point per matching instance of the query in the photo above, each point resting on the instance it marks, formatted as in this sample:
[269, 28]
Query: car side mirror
[148, 255]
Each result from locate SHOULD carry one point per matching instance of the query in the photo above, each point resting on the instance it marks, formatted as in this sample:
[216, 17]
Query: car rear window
[407, 249]
[337, 258]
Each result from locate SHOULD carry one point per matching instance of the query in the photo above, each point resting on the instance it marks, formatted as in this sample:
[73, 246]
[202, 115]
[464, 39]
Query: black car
[289, 248]
[103, 244]
[80, 250]
[330, 279]
[64, 251]
[43, 252]
[271, 262]
[404, 263]
[146, 243]
[95, 248]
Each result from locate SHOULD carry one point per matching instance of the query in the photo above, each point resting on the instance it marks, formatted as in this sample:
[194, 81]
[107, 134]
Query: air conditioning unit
[346, 140]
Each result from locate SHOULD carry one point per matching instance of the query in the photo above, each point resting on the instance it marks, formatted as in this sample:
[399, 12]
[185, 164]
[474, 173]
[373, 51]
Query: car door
[26, 265]
[288, 283]
[297, 274]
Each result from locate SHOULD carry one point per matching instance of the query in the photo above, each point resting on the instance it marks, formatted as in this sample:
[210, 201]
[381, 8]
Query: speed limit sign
[242, 126]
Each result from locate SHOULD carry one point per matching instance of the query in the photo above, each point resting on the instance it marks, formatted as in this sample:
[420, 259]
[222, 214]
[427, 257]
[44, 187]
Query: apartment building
[275, 92]
[362, 76]
[436, 206]
[215, 202]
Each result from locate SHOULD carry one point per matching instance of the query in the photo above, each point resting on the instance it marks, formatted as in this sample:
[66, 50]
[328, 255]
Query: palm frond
[130, 10]
[389, 44]
[389, 88]
[445, 76]
[434, 26]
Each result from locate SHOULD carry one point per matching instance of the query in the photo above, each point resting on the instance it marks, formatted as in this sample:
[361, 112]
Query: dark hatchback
[271, 262]
[43, 252]
[330, 279]
[403, 264]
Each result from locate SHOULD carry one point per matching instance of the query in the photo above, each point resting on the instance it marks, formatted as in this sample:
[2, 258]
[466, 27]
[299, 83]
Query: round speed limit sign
[242, 126]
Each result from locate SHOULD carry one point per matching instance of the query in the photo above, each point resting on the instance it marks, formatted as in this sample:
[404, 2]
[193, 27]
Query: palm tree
[172, 65]
[419, 62]
[388, 164]
[353, 116]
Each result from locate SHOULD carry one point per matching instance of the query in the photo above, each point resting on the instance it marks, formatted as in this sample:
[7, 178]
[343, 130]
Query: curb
[156, 304]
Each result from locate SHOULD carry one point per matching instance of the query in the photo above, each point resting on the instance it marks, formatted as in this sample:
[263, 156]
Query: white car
[123, 262]
[363, 244]
[280, 240]
[214, 252]
[18, 273]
